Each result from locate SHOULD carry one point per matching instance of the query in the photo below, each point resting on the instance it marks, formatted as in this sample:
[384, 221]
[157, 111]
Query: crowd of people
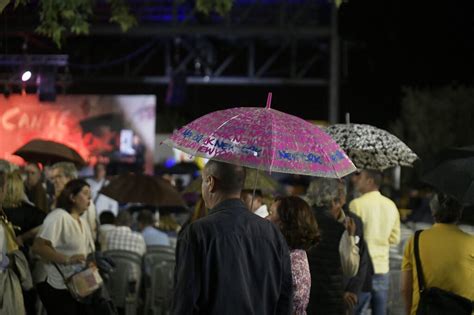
[238, 252]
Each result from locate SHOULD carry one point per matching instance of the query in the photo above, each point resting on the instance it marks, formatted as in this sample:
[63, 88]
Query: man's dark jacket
[232, 262]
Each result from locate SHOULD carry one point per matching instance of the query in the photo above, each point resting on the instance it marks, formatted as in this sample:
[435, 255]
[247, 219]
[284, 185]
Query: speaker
[47, 84]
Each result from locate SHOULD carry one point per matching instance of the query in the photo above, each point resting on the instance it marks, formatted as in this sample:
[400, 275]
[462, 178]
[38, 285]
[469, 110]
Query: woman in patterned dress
[297, 223]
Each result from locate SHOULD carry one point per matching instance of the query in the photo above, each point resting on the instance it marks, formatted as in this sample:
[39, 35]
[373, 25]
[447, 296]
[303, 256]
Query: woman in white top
[64, 240]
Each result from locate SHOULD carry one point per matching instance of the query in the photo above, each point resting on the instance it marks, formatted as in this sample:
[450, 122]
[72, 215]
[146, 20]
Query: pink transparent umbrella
[263, 138]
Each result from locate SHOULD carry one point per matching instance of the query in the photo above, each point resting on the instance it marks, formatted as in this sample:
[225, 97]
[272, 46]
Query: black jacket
[232, 262]
[327, 283]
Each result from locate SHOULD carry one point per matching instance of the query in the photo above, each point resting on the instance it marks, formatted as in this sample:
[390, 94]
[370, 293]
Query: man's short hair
[68, 169]
[107, 217]
[124, 218]
[445, 208]
[146, 217]
[376, 176]
[230, 177]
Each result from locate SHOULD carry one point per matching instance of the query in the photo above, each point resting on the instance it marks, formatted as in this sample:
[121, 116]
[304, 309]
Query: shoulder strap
[419, 268]
[62, 274]
[102, 185]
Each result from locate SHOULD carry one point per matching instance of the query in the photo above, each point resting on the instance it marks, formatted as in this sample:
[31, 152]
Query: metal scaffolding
[266, 42]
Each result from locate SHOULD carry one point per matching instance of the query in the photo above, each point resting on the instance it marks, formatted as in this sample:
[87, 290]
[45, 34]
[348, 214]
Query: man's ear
[371, 181]
[211, 183]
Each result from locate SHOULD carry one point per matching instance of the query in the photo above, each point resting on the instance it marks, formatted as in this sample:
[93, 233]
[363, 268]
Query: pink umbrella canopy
[265, 139]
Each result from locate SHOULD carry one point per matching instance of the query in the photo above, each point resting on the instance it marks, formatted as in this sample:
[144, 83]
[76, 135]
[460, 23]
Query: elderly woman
[446, 255]
[337, 256]
[297, 224]
[64, 240]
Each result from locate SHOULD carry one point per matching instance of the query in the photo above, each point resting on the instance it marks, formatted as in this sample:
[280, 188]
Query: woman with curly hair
[299, 227]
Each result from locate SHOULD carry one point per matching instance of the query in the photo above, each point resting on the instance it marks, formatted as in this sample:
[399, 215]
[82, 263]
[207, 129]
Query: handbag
[436, 301]
[83, 283]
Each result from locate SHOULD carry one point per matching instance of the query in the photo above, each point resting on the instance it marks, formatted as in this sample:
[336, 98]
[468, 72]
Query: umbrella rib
[329, 159]
[272, 145]
[224, 123]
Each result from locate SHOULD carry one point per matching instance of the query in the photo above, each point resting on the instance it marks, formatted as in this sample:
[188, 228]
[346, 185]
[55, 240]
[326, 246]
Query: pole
[333, 109]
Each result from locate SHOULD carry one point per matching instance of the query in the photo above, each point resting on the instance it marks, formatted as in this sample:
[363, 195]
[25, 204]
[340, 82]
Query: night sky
[386, 45]
[403, 43]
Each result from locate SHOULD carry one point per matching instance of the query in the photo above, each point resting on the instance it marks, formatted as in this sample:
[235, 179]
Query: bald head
[221, 181]
[230, 178]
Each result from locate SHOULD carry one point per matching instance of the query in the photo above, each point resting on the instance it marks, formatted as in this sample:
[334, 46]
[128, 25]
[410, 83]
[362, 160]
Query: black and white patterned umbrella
[371, 148]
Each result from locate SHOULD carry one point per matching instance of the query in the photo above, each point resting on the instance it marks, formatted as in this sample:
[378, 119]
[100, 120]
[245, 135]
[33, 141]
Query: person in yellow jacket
[446, 255]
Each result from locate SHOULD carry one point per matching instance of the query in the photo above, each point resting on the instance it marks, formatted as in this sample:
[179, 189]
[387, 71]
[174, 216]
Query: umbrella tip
[269, 100]
[348, 118]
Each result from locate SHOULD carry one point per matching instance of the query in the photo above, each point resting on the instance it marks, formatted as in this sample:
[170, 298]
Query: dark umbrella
[454, 177]
[457, 153]
[45, 151]
[138, 188]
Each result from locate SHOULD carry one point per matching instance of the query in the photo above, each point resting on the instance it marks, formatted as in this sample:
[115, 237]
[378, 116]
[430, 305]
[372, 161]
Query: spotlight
[26, 76]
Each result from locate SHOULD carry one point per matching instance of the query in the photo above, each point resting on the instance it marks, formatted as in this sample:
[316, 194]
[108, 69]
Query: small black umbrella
[454, 177]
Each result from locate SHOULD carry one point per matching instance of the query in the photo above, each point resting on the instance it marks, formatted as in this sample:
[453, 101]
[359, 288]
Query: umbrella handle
[269, 100]
[254, 188]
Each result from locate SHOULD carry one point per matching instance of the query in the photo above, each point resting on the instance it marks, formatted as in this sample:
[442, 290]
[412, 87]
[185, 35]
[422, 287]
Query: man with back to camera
[231, 261]
[381, 229]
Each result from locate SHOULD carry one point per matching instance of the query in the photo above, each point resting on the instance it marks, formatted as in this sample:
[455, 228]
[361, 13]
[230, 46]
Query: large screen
[118, 130]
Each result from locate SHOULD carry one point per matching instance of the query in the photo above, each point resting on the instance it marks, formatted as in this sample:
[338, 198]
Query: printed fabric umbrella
[263, 181]
[370, 147]
[145, 189]
[265, 139]
[454, 177]
[48, 152]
